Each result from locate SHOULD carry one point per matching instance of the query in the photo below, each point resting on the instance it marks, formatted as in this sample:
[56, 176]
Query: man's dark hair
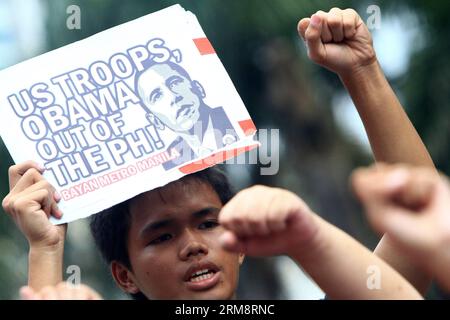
[110, 227]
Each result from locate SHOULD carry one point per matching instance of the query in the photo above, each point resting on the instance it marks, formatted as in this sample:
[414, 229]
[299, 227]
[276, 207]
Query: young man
[338, 40]
[412, 206]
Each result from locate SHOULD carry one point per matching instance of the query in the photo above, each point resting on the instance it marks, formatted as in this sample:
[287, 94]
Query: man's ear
[198, 89]
[241, 258]
[154, 120]
[124, 278]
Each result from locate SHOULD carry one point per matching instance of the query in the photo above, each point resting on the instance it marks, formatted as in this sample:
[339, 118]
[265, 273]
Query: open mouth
[202, 275]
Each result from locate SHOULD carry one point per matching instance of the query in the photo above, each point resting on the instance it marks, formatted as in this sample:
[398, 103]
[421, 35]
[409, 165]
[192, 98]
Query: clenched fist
[411, 205]
[30, 203]
[338, 40]
[263, 221]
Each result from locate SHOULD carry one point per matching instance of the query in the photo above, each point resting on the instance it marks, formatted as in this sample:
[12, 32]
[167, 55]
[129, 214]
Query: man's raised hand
[338, 40]
[263, 221]
[411, 205]
[30, 203]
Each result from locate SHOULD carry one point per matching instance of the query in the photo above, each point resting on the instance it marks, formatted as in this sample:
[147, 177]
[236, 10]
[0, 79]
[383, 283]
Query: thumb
[27, 293]
[302, 27]
[316, 49]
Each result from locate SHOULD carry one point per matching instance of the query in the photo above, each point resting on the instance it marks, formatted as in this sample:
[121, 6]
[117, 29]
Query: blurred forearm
[340, 264]
[415, 274]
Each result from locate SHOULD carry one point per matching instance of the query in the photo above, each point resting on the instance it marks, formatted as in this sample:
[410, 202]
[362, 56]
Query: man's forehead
[158, 73]
[178, 189]
[180, 197]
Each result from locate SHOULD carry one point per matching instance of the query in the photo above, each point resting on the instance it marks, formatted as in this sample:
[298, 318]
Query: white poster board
[124, 111]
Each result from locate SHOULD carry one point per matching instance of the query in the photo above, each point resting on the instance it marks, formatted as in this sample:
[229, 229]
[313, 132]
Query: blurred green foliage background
[258, 44]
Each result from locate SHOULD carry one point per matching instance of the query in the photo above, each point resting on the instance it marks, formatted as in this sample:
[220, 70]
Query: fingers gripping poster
[124, 111]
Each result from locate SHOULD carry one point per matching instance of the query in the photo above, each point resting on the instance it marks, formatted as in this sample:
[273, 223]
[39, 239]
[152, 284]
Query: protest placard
[124, 111]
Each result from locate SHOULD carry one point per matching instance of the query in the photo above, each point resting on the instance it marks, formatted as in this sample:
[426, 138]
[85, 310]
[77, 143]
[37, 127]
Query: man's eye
[161, 239]
[208, 224]
[175, 82]
[155, 96]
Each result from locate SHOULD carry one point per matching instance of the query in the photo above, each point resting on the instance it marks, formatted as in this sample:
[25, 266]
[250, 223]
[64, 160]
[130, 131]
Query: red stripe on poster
[248, 127]
[204, 46]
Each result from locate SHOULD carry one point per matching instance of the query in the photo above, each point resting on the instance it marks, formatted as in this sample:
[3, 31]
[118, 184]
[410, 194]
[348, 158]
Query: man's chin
[220, 291]
[185, 126]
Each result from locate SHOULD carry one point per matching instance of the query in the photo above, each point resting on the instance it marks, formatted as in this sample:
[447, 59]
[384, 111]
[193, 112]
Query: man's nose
[177, 98]
[192, 246]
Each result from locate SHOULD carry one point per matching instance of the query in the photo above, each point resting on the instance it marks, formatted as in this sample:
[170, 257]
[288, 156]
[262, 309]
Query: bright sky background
[22, 30]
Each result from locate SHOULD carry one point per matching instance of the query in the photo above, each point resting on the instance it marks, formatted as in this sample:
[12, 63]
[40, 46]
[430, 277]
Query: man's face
[170, 96]
[173, 244]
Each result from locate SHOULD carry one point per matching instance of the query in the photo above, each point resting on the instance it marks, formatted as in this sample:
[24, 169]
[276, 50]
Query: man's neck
[200, 141]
